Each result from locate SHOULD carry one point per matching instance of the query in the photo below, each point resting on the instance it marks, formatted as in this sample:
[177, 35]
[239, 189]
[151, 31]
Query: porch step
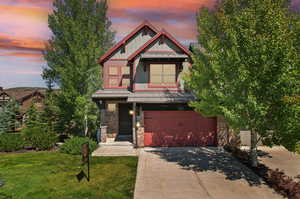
[119, 144]
[113, 142]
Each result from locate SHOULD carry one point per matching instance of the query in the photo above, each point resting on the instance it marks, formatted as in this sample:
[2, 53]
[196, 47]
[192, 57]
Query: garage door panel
[178, 128]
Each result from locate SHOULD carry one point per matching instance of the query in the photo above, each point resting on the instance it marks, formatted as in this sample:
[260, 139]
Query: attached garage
[179, 128]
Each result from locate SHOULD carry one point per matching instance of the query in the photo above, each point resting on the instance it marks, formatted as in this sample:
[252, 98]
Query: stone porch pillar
[103, 126]
[140, 129]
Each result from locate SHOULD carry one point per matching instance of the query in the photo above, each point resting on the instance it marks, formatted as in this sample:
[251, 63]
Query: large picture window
[162, 74]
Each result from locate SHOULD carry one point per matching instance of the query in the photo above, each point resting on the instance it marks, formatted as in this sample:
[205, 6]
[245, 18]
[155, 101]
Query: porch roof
[146, 97]
[111, 93]
[169, 97]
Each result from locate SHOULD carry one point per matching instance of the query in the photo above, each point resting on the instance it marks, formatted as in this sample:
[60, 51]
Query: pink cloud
[21, 43]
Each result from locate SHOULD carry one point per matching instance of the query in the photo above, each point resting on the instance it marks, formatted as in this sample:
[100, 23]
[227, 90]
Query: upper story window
[162, 74]
[118, 76]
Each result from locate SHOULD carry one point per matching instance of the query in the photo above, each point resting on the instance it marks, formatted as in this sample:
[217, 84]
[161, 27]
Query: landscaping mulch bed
[283, 184]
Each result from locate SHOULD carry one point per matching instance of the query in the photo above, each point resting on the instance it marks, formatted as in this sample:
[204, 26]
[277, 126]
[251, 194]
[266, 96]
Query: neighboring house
[25, 98]
[143, 96]
[4, 97]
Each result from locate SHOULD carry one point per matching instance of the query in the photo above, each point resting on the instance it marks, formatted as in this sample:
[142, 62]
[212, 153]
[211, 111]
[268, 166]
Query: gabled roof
[123, 41]
[155, 38]
[21, 95]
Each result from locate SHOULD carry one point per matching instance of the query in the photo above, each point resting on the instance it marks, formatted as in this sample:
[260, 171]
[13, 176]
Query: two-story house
[144, 97]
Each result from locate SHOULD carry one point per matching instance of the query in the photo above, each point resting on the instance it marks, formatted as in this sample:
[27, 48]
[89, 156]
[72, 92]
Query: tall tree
[8, 116]
[81, 33]
[246, 65]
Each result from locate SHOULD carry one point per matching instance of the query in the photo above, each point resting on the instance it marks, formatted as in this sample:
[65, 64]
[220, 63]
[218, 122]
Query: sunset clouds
[24, 30]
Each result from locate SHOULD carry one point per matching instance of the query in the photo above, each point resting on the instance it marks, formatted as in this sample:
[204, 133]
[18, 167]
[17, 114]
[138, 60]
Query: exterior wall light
[131, 112]
[138, 124]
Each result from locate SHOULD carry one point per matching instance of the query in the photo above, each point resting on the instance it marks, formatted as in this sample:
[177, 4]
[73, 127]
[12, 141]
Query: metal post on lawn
[85, 152]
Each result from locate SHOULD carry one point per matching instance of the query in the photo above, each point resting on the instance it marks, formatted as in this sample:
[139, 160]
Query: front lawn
[45, 175]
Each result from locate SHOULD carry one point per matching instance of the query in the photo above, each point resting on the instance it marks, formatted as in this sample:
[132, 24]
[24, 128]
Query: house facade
[144, 99]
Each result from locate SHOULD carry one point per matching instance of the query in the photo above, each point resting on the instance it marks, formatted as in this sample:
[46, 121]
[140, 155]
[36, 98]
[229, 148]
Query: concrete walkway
[115, 148]
[196, 173]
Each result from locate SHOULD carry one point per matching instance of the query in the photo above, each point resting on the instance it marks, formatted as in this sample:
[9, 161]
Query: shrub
[74, 145]
[39, 137]
[297, 148]
[11, 142]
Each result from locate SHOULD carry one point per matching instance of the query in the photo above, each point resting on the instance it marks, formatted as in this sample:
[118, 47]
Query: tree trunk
[86, 125]
[253, 149]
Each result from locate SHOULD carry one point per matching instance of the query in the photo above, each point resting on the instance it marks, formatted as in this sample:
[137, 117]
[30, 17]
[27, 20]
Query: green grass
[45, 175]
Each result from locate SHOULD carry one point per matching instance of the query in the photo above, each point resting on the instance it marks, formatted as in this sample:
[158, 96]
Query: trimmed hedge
[10, 142]
[74, 145]
[39, 137]
[275, 178]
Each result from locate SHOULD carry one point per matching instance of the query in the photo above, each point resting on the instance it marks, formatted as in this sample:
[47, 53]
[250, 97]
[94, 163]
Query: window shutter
[169, 73]
[113, 82]
[156, 73]
[125, 70]
[113, 70]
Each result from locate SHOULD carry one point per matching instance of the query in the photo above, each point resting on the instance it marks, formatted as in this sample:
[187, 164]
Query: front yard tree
[81, 33]
[247, 63]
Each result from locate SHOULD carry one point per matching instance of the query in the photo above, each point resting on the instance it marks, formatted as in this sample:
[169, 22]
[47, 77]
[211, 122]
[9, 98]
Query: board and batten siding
[132, 45]
[166, 46]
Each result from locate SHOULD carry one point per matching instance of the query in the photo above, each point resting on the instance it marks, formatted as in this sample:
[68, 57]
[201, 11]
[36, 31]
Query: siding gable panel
[133, 44]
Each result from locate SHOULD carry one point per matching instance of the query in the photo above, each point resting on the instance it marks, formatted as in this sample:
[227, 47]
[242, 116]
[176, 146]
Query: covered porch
[122, 112]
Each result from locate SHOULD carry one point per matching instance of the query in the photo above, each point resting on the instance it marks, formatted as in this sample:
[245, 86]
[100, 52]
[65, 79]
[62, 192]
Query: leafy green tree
[32, 116]
[290, 124]
[247, 63]
[81, 34]
[8, 116]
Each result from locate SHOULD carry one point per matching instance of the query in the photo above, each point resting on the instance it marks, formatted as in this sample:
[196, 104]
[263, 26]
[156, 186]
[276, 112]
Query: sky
[24, 30]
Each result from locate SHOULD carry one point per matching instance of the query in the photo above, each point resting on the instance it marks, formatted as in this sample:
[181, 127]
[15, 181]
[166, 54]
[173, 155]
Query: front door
[125, 119]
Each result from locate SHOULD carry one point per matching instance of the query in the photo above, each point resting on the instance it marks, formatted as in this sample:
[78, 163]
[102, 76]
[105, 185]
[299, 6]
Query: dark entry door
[125, 119]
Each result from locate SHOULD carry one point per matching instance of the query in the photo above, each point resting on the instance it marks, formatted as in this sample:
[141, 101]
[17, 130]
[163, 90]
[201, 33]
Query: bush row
[38, 138]
[42, 139]
[11, 142]
[275, 178]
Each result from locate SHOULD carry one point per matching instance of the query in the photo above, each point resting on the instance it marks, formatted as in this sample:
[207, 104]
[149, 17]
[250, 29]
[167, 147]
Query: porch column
[134, 123]
[103, 126]
[140, 129]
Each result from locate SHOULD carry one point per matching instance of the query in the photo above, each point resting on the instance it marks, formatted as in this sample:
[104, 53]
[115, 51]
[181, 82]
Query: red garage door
[179, 128]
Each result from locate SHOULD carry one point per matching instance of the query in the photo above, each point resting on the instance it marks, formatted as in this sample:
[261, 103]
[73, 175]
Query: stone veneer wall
[140, 136]
[112, 119]
[224, 135]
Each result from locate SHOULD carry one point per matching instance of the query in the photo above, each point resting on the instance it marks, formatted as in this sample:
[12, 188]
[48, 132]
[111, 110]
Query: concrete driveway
[279, 158]
[196, 173]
